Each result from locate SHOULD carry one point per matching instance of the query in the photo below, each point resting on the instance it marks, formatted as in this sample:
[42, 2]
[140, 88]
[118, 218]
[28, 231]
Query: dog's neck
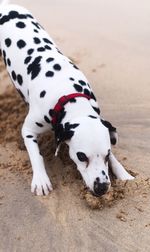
[69, 119]
[58, 112]
[81, 108]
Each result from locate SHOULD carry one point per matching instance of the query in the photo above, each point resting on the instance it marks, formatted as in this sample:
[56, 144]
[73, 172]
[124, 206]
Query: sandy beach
[109, 41]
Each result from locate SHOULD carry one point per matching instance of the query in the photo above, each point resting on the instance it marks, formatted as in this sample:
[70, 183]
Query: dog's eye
[82, 157]
[107, 157]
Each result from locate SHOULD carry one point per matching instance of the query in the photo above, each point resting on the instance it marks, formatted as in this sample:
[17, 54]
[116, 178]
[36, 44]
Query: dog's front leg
[118, 170]
[41, 184]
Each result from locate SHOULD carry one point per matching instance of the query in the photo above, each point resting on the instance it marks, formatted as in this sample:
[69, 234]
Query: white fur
[90, 136]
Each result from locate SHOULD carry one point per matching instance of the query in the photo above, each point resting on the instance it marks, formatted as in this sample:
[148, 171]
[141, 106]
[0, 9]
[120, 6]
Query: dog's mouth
[99, 194]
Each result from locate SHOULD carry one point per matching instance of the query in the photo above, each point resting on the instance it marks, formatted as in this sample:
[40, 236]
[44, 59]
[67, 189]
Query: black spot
[61, 115]
[27, 60]
[39, 124]
[49, 60]
[93, 96]
[21, 44]
[13, 15]
[29, 16]
[112, 131]
[4, 54]
[73, 65]
[36, 25]
[47, 41]
[72, 79]
[8, 62]
[71, 126]
[36, 31]
[57, 67]
[97, 110]
[4, 19]
[37, 40]
[63, 133]
[72, 100]
[91, 116]
[8, 42]
[30, 51]
[20, 25]
[34, 68]
[29, 136]
[108, 125]
[28, 92]
[41, 49]
[47, 119]
[78, 88]
[13, 74]
[43, 93]
[107, 158]
[106, 177]
[21, 94]
[83, 83]
[34, 140]
[48, 47]
[49, 74]
[103, 172]
[51, 112]
[86, 92]
[59, 52]
[113, 141]
[19, 79]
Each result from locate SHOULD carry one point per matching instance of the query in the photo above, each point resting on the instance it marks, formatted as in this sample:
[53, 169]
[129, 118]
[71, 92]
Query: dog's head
[89, 141]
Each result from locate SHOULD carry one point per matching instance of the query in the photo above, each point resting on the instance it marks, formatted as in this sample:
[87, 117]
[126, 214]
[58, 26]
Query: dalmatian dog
[59, 98]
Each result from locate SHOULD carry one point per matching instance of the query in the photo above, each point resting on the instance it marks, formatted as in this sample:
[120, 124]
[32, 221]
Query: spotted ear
[63, 133]
[112, 131]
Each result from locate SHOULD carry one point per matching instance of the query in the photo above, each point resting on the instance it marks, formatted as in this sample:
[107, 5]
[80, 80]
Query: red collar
[62, 102]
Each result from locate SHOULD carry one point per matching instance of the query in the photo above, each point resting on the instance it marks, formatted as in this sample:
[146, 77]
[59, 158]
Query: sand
[110, 43]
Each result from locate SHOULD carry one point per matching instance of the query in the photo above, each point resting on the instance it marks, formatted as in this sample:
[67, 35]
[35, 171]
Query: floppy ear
[112, 131]
[63, 133]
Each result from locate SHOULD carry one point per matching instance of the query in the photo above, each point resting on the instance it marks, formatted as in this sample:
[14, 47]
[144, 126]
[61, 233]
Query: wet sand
[110, 43]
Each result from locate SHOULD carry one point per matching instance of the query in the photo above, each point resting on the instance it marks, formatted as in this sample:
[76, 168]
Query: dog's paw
[131, 177]
[127, 176]
[41, 184]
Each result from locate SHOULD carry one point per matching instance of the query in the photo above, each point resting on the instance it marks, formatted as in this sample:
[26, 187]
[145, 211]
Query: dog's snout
[100, 188]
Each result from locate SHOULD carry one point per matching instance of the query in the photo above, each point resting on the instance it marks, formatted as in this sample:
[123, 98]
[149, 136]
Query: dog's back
[33, 60]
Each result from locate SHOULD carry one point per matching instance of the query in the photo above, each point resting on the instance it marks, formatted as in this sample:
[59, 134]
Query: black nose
[100, 188]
